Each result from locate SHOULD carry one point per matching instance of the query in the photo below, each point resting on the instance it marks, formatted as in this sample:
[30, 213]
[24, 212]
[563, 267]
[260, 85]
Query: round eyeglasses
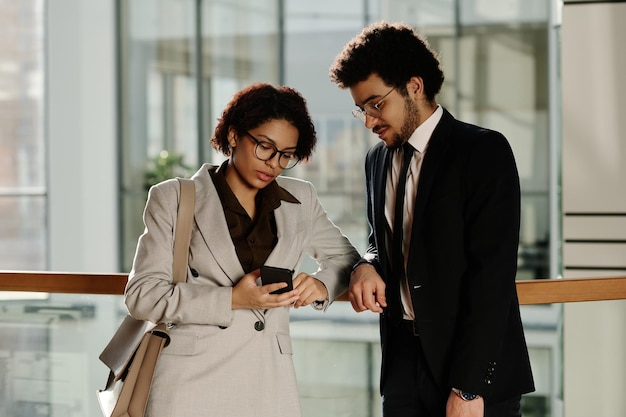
[266, 151]
[371, 109]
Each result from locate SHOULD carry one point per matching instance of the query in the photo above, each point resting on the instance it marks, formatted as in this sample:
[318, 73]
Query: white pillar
[82, 145]
[594, 203]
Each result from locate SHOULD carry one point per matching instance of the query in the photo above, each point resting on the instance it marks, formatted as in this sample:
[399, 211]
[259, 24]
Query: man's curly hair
[395, 52]
[260, 103]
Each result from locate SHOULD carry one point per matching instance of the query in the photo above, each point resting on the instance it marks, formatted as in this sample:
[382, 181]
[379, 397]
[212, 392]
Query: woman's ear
[232, 137]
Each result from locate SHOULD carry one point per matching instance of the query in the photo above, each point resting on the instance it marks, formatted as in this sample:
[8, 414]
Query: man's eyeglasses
[371, 109]
[266, 151]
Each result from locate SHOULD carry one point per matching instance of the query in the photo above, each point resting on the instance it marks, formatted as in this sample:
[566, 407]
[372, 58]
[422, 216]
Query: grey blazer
[217, 363]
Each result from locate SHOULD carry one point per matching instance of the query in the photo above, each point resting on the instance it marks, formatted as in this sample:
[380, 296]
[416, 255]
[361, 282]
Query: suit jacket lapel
[379, 183]
[212, 227]
[288, 227]
[437, 147]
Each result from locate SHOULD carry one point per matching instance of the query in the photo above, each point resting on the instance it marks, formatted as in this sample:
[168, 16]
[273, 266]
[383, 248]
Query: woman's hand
[310, 289]
[247, 294]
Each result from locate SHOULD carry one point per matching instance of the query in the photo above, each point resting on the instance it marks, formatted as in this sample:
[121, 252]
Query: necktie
[397, 265]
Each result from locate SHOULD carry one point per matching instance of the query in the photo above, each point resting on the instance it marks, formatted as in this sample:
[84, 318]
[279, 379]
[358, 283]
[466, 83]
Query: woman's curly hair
[260, 103]
[395, 52]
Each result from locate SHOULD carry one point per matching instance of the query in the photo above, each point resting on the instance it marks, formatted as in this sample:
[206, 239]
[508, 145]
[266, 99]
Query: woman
[230, 350]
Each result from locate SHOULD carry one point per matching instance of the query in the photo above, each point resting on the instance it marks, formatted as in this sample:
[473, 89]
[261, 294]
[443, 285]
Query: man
[451, 333]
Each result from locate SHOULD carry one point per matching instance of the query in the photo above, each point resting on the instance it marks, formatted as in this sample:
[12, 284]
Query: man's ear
[415, 87]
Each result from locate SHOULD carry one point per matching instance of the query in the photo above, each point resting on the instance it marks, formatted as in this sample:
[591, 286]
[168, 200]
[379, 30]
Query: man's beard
[411, 122]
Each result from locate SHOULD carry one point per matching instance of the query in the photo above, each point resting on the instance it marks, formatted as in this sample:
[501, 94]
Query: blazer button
[259, 326]
[222, 327]
[194, 272]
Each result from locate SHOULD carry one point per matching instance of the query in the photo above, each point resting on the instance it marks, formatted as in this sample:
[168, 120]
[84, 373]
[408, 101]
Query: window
[23, 228]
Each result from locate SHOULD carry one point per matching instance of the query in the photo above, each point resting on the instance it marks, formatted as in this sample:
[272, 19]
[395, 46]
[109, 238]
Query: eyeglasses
[371, 109]
[266, 151]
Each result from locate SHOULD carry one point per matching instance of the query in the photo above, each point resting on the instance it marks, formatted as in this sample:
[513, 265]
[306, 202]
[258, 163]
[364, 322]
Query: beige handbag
[134, 349]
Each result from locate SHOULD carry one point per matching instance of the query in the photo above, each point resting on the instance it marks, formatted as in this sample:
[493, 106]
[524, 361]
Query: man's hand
[367, 289]
[458, 407]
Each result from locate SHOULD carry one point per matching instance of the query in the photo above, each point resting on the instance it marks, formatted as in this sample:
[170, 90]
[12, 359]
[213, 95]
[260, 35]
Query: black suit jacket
[462, 259]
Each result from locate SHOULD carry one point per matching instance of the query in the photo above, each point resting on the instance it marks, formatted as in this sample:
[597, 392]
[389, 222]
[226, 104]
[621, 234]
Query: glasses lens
[264, 151]
[372, 110]
[288, 162]
[359, 114]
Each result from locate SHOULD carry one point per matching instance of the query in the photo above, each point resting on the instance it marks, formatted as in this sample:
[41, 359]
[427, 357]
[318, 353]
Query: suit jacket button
[223, 327]
[259, 326]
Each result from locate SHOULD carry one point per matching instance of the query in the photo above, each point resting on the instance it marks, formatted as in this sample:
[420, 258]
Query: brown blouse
[255, 238]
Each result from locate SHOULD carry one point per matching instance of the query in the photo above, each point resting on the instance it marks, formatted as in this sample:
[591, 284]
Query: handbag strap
[182, 236]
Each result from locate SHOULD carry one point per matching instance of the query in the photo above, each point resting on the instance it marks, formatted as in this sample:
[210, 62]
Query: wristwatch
[466, 396]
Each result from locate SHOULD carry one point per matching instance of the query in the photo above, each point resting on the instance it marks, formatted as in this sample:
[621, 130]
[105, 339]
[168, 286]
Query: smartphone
[272, 275]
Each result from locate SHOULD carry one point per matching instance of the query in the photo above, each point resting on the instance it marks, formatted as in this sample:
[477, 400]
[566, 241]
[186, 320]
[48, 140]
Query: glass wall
[181, 61]
[495, 60]
[23, 228]
[167, 109]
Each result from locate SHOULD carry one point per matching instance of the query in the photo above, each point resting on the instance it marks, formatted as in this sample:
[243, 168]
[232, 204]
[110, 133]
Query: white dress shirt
[419, 140]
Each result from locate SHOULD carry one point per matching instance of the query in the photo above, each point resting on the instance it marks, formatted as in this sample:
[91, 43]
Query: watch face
[467, 396]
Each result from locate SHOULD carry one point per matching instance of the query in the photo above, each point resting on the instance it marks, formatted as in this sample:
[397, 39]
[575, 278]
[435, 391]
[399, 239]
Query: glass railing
[54, 326]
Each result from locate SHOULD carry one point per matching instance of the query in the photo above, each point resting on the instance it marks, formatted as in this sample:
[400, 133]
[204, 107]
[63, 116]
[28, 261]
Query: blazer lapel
[437, 147]
[380, 166]
[288, 226]
[212, 227]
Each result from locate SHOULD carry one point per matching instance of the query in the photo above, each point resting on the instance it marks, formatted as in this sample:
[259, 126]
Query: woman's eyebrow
[273, 142]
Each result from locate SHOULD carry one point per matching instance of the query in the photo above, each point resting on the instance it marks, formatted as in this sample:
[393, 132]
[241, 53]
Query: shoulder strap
[182, 237]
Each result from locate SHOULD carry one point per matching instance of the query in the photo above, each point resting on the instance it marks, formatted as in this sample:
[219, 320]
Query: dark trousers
[408, 388]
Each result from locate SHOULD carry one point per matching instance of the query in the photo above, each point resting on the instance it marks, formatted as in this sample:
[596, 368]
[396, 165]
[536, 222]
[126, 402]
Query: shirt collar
[275, 191]
[420, 137]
